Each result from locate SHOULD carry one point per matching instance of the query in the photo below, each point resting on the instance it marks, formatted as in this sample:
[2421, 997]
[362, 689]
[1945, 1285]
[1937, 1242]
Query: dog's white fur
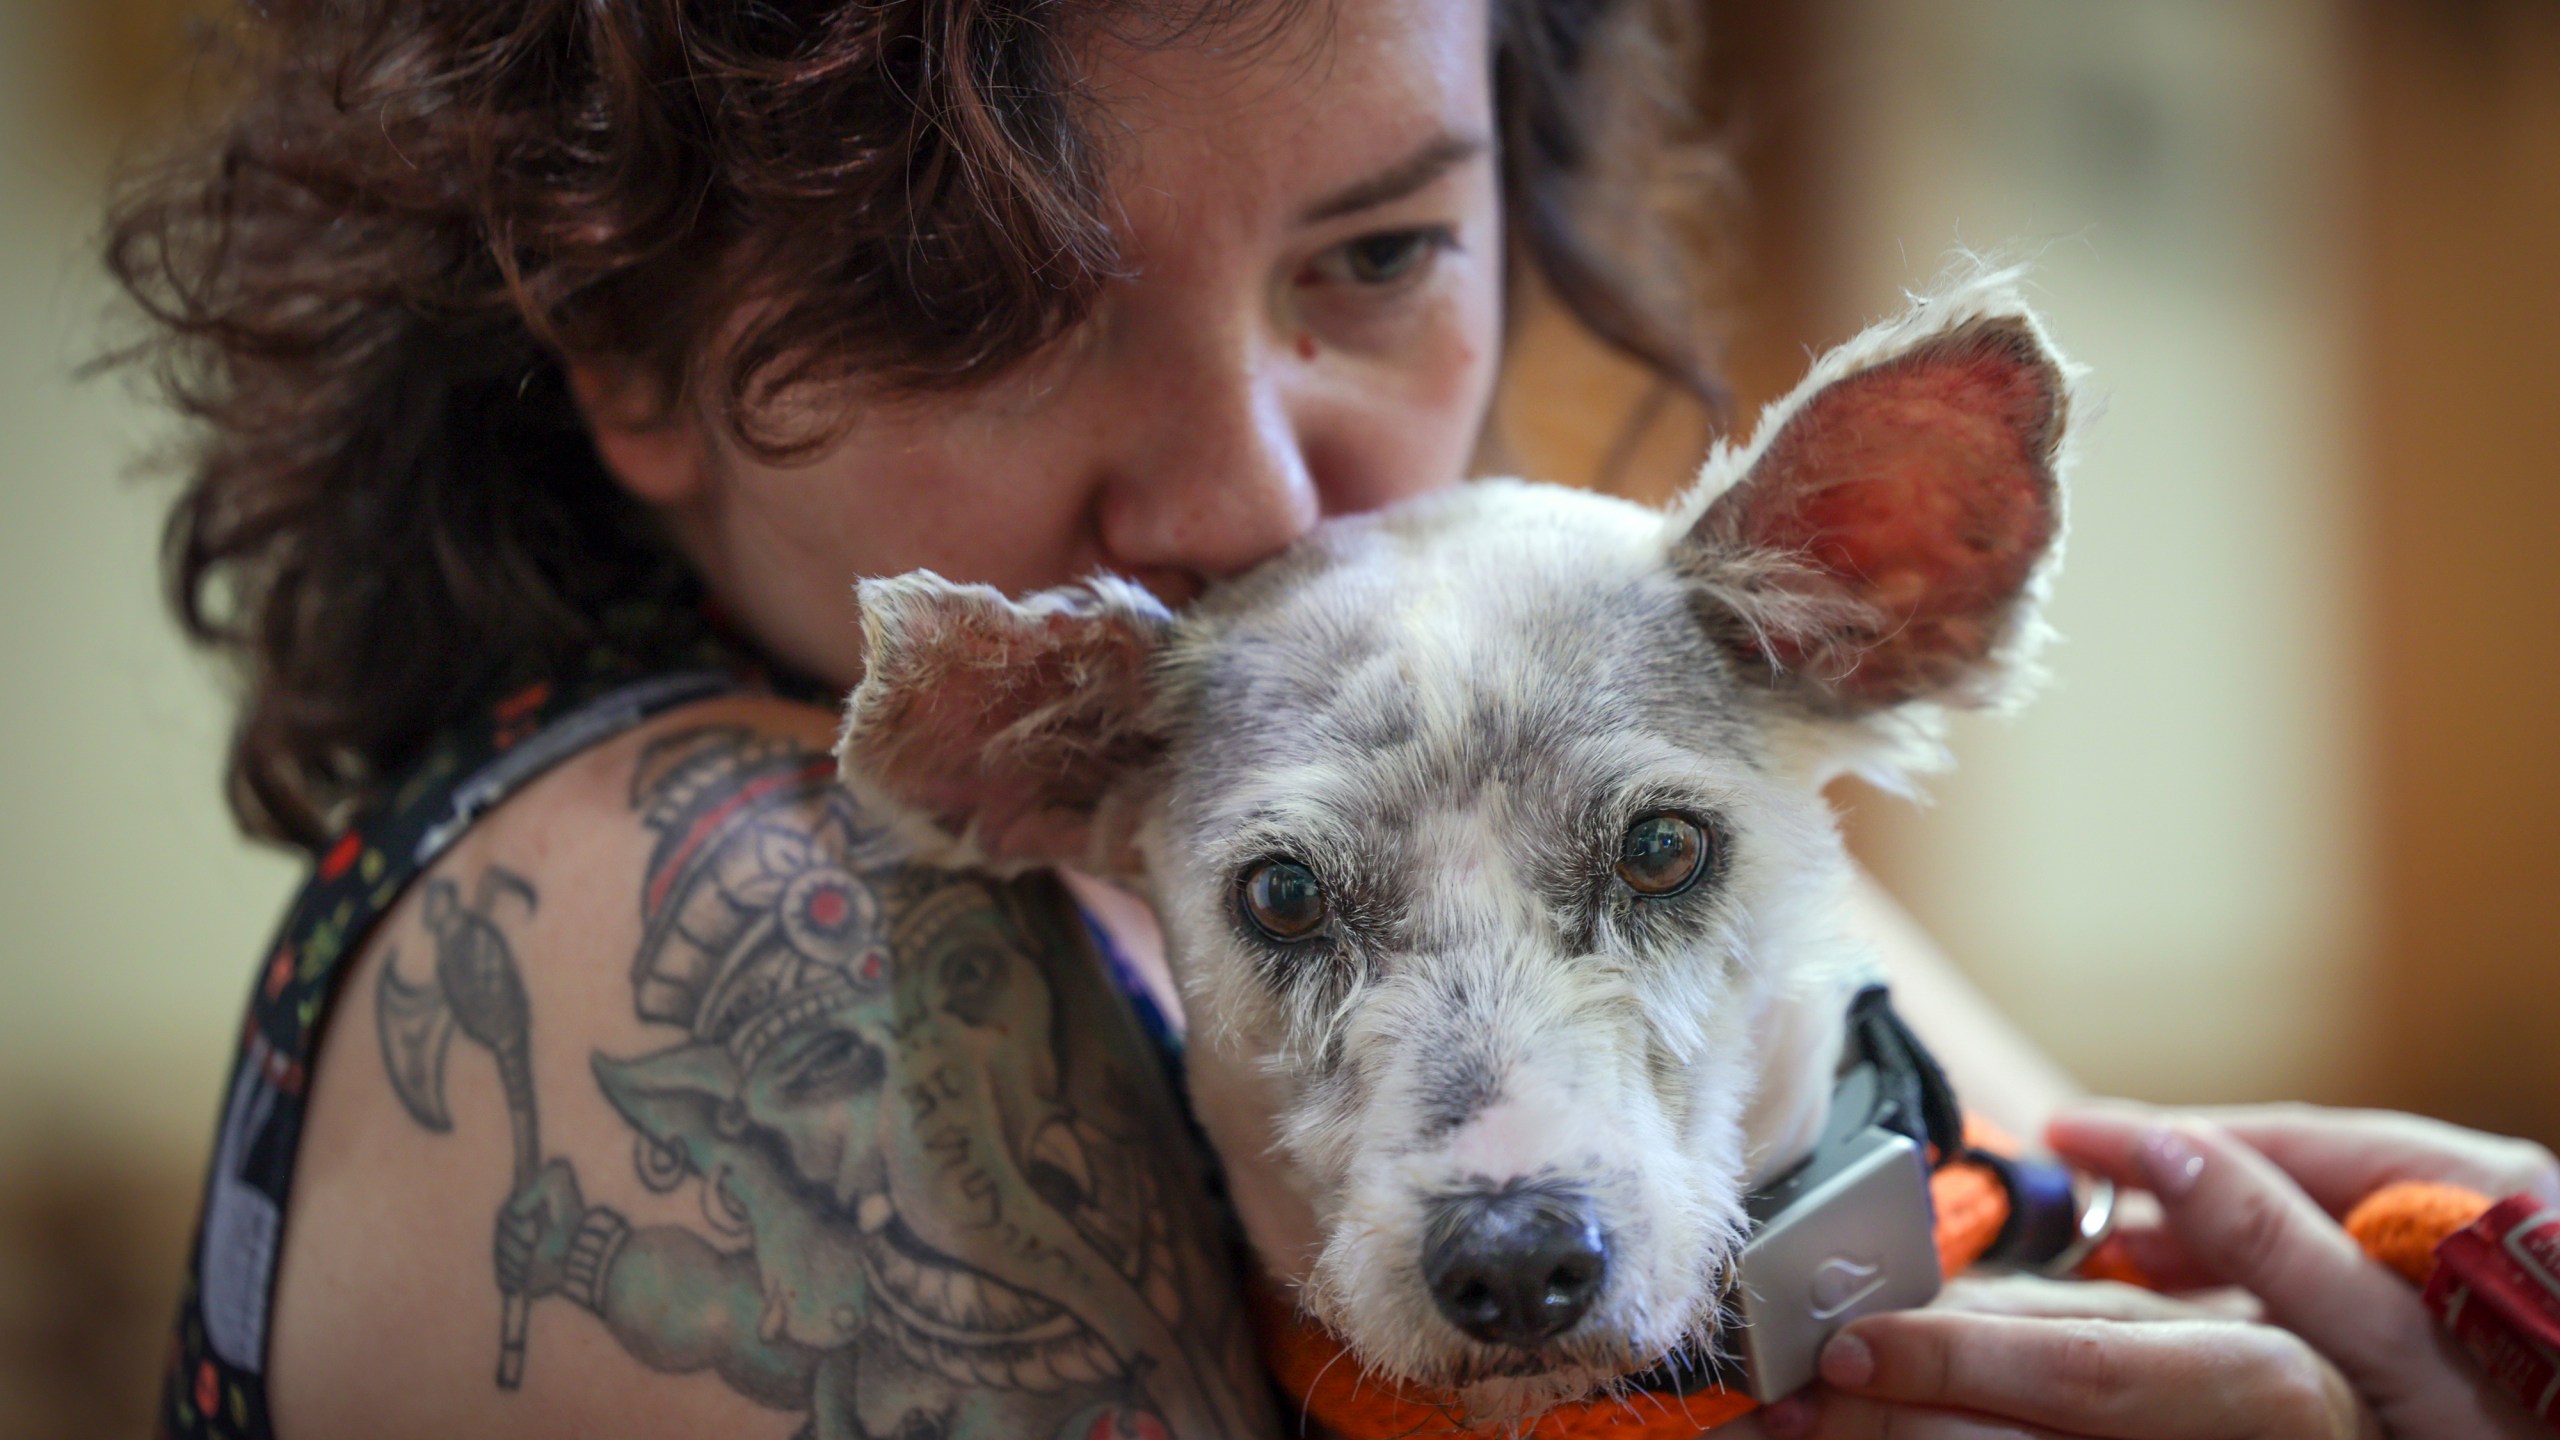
[1445, 708]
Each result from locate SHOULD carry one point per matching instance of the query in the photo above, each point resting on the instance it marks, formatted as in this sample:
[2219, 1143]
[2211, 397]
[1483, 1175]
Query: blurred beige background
[133, 908]
[2284, 826]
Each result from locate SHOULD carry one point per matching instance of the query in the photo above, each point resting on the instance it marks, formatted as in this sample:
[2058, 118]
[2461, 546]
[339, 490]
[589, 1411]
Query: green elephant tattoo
[944, 1190]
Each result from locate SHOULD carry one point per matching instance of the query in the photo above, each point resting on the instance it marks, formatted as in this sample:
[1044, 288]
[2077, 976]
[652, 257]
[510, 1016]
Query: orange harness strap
[1315, 1371]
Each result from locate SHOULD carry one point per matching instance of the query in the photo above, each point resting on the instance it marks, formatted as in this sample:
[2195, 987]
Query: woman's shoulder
[683, 1096]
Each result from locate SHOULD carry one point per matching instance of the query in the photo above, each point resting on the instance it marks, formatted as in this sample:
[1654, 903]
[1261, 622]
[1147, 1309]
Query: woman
[559, 366]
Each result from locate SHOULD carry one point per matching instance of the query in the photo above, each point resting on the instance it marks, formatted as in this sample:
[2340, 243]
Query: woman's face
[1310, 326]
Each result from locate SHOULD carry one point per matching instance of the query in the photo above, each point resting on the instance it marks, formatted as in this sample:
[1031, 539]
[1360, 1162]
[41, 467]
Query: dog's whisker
[1316, 1385]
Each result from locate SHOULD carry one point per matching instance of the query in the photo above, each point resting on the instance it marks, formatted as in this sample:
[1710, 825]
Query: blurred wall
[2457, 134]
[2159, 869]
[135, 915]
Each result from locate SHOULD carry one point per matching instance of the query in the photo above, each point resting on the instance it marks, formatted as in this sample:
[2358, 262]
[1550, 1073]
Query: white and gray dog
[1489, 838]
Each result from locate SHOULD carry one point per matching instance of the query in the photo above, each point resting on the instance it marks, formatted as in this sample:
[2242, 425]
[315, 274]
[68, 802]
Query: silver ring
[2097, 1221]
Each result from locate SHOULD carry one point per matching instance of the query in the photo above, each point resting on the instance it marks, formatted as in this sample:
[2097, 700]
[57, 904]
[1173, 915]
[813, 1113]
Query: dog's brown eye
[1283, 900]
[1662, 855]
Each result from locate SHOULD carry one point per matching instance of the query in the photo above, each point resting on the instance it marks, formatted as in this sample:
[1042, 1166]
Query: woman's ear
[657, 452]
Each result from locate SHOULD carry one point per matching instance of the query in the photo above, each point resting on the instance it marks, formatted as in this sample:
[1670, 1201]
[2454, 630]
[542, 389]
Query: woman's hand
[2248, 1196]
[2027, 1359]
[2351, 1351]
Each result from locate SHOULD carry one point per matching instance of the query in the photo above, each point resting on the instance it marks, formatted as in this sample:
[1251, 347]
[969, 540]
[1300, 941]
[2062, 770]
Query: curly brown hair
[362, 284]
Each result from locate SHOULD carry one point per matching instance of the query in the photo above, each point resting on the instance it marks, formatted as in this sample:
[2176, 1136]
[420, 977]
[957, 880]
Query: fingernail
[1791, 1416]
[1848, 1361]
[2170, 1162]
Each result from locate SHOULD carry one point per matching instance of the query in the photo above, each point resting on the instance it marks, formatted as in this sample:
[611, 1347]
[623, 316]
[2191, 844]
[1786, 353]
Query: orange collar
[2399, 1225]
[1329, 1387]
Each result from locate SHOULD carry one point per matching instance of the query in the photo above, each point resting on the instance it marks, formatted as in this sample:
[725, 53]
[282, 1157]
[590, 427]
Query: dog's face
[1471, 838]
[1488, 837]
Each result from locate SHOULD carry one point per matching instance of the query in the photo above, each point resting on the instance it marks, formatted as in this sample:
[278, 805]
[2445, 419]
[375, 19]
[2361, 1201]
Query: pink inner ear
[1016, 723]
[1925, 486]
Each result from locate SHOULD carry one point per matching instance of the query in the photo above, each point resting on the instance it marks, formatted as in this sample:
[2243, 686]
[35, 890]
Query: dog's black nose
[1516, 1266]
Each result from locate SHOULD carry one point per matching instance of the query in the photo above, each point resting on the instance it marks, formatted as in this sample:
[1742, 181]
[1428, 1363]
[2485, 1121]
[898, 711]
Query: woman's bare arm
[807, 1140]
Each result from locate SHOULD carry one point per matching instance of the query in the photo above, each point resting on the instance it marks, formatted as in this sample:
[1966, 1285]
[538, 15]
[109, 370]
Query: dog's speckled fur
[1451, 711]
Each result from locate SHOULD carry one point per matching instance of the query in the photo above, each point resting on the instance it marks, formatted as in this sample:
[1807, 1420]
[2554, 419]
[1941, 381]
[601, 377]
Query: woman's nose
[1207, 473]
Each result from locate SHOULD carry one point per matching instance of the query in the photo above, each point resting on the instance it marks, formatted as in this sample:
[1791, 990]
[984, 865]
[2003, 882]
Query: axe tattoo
[476, 989]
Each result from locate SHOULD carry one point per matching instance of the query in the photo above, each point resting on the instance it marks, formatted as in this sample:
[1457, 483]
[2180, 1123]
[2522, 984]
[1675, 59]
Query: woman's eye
[1662, 855]
[1283, 900]
[1382, 259]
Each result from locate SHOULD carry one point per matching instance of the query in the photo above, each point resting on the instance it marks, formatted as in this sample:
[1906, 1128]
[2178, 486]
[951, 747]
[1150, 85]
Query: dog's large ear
[1894, 520]
[998, 732]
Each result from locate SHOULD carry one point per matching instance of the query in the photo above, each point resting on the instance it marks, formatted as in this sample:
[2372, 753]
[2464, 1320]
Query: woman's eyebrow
[1435, 159]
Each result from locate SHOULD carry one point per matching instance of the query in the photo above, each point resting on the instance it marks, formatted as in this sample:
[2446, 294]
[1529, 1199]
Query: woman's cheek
[1448, 378]
[1406, 427]
[1458, 373]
